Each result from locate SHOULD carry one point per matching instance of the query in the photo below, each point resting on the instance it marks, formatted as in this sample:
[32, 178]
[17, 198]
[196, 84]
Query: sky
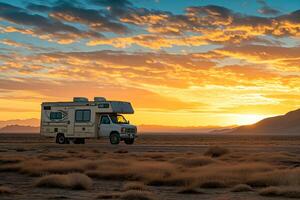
[180, 63]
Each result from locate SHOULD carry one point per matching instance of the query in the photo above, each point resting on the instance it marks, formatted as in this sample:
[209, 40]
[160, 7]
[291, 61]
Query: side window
[105, 120]
[83, 115]
[55, 115]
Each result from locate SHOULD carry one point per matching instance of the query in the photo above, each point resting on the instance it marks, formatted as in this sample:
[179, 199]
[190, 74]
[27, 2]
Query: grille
[130, 130]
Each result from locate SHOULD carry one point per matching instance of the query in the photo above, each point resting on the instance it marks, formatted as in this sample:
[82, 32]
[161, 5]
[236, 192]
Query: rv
[74, 121]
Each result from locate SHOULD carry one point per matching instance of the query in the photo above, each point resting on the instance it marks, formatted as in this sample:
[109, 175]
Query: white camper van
[80, 119]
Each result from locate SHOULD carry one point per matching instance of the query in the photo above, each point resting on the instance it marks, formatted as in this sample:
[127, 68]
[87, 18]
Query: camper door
[71, 120]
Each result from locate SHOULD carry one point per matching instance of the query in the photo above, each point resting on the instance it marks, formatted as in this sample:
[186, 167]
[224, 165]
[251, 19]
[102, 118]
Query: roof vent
[80, 99]
[99, 99]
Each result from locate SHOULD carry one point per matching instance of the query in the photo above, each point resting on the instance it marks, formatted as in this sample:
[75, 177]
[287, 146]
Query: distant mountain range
[283, 124]
[20, 122]
[179, 129]
[19, 129]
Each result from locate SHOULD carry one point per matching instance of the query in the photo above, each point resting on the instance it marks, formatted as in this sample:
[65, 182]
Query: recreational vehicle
[74, 121]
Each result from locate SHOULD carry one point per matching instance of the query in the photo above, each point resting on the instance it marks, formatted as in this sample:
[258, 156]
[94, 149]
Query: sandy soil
[164, 164]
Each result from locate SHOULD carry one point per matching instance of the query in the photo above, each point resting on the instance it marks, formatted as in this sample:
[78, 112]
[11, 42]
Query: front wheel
[114, 138]
[129, 140]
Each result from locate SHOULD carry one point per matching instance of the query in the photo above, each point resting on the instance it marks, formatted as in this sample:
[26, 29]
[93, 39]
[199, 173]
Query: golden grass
[194, 161]
[111, 195]
[37, 167]
[289, 192]
[121, 151]
[137, 195]
[241, 188]
[275, 178]
[134, 186]
[11, 159]
[216, 151]
[220, 168]
[5, 190]
[190, 189]
[74, 181]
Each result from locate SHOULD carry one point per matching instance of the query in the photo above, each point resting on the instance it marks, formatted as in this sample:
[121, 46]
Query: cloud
[16, 44]
[68, 12]
[42, 27]
[266, 9]
[214, 24]
[284, 59]
[68, 22]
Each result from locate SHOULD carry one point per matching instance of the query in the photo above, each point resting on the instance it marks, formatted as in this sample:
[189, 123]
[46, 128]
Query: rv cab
[116, 123]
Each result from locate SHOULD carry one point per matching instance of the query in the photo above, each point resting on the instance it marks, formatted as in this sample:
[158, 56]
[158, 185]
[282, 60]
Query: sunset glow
[195, 63]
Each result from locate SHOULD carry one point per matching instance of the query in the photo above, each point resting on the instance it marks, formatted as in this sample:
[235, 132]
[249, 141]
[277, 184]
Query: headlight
[123, 130]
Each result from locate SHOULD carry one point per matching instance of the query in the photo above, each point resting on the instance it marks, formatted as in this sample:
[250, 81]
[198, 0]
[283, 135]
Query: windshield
[118, 119]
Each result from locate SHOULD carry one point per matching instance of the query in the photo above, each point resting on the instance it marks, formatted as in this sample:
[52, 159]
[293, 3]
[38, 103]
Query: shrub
[290, 192]
[5, 190]
[189, 190]
[241, 188]
[213, 184]
[137, 195]
[134, 186]
[71, 181]
[216, 151]
[193, 162]
[114, 195]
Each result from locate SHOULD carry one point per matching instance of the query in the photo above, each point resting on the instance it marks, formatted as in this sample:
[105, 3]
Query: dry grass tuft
[112, 174]
[74, 181]
[20, 149]
[241, 188]
[137, 195]
[5, 190]
[213, 184]
[289, 192]
[40, 167]
[216, 151]
[121, 151]
[134, 186]
[190, 190]
[287, 177]
[10, 159]
[114, 195]
[193, 162]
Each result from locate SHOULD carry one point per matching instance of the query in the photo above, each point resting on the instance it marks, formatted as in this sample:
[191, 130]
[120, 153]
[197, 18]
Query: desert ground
[157, 166]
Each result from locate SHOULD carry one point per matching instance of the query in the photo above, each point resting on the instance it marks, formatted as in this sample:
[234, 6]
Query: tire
[60, 138]
[114, 138]
[129, 140]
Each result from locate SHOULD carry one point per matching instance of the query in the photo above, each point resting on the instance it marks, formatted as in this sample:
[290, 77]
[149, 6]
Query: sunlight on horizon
[248, 119]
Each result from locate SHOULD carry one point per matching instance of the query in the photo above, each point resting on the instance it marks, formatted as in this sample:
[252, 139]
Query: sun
[245, 119]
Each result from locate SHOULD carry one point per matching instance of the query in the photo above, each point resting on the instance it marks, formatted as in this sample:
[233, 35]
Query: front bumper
[128, 135]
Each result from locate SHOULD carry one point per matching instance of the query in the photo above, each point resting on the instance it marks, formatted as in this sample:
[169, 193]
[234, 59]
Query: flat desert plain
[157, 166]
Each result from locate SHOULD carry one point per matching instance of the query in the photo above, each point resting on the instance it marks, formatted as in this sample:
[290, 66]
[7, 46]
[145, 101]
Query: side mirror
[128, 122]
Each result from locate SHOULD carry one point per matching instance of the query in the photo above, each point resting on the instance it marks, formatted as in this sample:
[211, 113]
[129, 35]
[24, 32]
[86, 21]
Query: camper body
[80, 119]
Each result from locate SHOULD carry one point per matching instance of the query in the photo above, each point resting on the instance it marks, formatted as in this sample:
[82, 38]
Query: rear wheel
[60, 138]
[114, 138]
[129, 140]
